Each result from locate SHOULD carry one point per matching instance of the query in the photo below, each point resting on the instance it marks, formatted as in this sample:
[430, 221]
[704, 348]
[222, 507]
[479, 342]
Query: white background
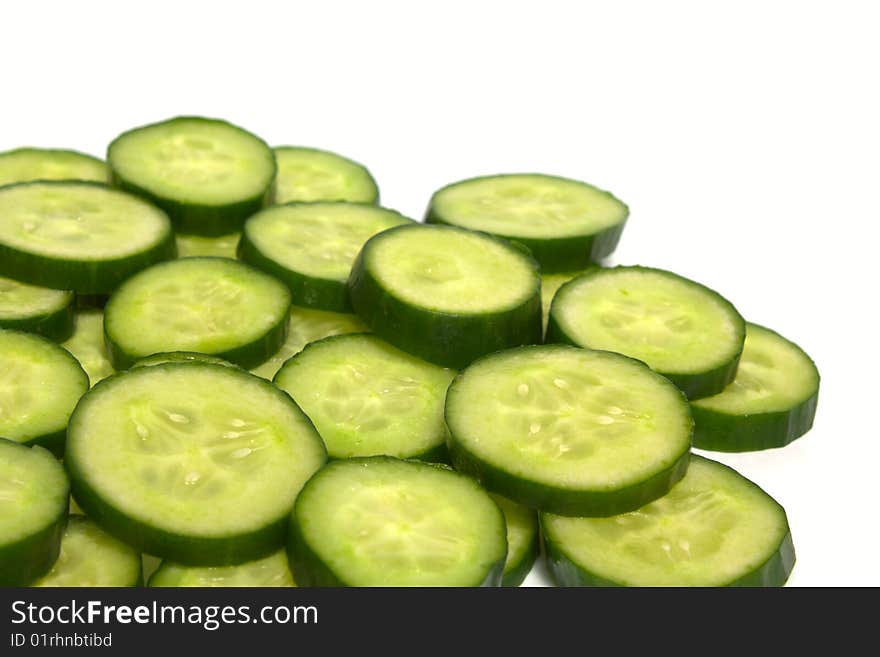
[744, 138]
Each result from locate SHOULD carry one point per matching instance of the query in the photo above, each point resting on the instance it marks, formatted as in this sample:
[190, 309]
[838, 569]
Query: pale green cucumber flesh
[87, 344]
[222, 246]
[91, 557]
[368, 398]
[522, 538]
[271, 571]
[386, 522]
[29, 164]
[311, 175]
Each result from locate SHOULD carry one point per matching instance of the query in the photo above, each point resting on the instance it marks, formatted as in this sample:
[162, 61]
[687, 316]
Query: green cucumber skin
[518, 572]
[562, 501]
[32, 556]
[310, 570]
[99, 277]
[308, 291]
[694, 386]
[445, 339]
[772, 573]
[246, 356]
[562, 253]
[195, 218]
[57, 325]
[723, 432]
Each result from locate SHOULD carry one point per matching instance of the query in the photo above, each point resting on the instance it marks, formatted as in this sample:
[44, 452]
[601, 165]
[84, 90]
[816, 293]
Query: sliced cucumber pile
[40, 383]
[683, 330]
[215, 306]
[446, 294]
[771, 402]
[311, 247]
[252, 371]
[78, 236]
[87, 344]
[221, 246]
[368, 398]
[714, 528]
[268, 571]
[567, 430]
[37, 309]
[207, 174]
[382, 521]
[91, 557]
[522, 540]
[33, 512]
[566, 224]
[308, 325]
[311, 175]
[213, 458]
[29, 164]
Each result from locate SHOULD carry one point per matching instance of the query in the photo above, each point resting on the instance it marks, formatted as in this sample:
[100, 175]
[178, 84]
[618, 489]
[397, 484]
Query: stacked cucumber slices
[248, 373]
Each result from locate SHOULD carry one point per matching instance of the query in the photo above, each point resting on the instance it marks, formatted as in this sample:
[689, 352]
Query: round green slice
[714, 528]
[207, 174]
[37, 309]
[311, 247]
[308, 325]
[40, 383]
[215, 306]
[29, 164]
[221, 246]
[446, 294]
[368, 398]
[78, 236]
[522, 540]
[681, 329]
[193, 462]
[33, 512]
[771, 402]
[271, 571]
[87, 344]
[566, 224]
[568, 430]
[91, 557]
[382, 521]
[310, 175]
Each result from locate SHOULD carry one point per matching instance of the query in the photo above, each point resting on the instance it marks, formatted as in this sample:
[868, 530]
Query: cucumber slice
[207, 174]
[368, 398]
[87, 344]
[222, 246]
[33, 511]
[522, 540]
[381, 521]
[181, 357]
[214, 306]
[446, 294]
[568, 430]
[29, 164]
[683, 330]
[714, 528]
[566, 224]
[192, 462]
[269, 571]
[91, 557]
[311, 175]
[80, 236]
[308, 325]
[36, 309]
[771, 402]
[311, 247]
[550, 284]
[40, 383]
